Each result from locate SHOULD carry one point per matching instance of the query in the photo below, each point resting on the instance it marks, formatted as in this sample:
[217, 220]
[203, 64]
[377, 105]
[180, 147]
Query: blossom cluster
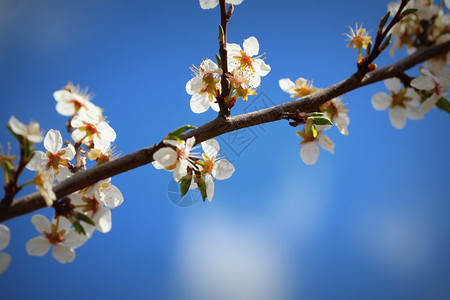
[245, 69]
[78, 215]
[193, 170]
[331, 112]
[427, 25]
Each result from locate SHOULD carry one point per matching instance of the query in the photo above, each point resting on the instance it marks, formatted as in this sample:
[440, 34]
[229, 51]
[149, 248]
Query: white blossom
[30, 132]
[401, 102]
[435, 78]
[204, 86]
[56, 157]
[59, 235]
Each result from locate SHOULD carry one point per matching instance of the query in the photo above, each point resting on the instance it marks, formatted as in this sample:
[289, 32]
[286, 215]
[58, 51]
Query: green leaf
[409, 11]
[314, 130]
[322, 121]
[369, 47]
[201, 186]
[386, 42]
[221, 35]
[219, 61]
[315, 114]
[185, 184]
[177, 133]
[84, 218]
[443, 104]
[384, 20]
[79, 228]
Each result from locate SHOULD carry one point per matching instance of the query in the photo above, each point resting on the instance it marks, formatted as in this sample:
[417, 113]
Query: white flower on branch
[174, 159]
[309, 151]
[402, 102]
[72, 100]
[436, 79]
[90, 131]
[5, 258]
[300, 88]
[31, 132]
[247, 60]
[213, 167]
[204, 87]
[59, 235]
[56, 157]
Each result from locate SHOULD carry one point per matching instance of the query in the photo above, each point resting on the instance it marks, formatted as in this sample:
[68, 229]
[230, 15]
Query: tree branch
[220, 126]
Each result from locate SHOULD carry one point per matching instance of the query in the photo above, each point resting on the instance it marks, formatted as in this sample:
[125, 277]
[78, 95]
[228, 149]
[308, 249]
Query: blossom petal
[309, 153]
[233, 50]
[413, 112]
[397, 116]
[287, 85]
[5, 236]
[251, 46]
[106, 132]
[235, 2]
[211, 147]
[53, 141]
[74, 239]
[112, 196]
[103, 221]
[41, 223]
[63, 254]
[215, 106]
[381, 101]
[199, 103]
[194, 85]
[261, 67]
[208, 4]
[39, 160]
[393, 84]
[209, 187]
[223, 169]
[78, 135]
[70, 152]
[16, 126]
[37, 246]
[326, 143]
[5, 259]
[428, 104]
[165, 157]
[423, 83]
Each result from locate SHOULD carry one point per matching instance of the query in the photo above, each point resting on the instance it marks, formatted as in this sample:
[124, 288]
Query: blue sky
[370, 221]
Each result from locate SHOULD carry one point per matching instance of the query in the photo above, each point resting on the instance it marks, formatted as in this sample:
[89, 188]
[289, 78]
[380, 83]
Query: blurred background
[369, 222]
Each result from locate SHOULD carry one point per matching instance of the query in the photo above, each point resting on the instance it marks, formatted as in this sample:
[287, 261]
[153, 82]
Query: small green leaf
[386, 42]
[177, 133]
[201, 186]
[221, 35]
[369, 47]
[322, 121]
[409, 11]
[314, 130]
[79, 228]
[383, 21]
[219, 61]
[315, 114]
[185, 184]
[84, 218]
[443, 104]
